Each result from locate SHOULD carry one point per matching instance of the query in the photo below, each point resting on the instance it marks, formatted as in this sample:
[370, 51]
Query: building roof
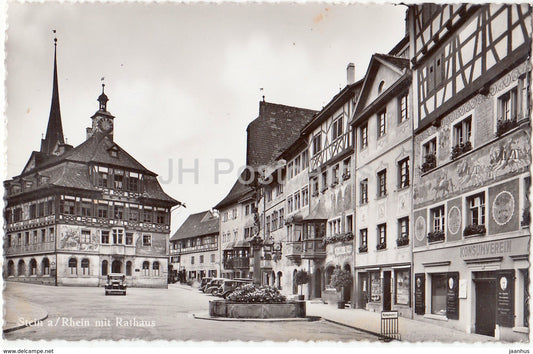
[236, 193]
[401, 63]
[200, 224]
[277, 127]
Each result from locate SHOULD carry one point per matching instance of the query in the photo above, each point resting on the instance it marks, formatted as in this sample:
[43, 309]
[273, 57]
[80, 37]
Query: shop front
[479, 287]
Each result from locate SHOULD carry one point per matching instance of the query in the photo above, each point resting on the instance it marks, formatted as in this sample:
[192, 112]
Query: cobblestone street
[85, 313]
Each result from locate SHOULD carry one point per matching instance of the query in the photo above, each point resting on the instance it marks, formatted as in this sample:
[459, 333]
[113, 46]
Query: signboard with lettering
[375, 287]
[452, 296]
[420, 293]
[505, 301]
[389, 314]
[484, 249]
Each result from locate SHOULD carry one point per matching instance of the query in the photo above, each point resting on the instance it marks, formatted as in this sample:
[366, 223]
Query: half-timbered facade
[75, 214]
[472, 152]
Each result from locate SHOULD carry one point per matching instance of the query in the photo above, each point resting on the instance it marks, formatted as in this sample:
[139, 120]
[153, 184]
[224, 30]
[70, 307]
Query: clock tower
[102, 119]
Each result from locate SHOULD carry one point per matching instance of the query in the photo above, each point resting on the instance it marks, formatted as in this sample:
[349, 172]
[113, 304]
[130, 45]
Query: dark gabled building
[75, 214]
[194, 246]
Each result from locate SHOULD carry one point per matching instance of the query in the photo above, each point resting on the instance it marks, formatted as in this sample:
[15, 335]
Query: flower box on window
[402, 241]
[381, 246]
[504, 125]
[435, 236]
[430, 162]
[460, 149]
[474, 230]
[363, 249]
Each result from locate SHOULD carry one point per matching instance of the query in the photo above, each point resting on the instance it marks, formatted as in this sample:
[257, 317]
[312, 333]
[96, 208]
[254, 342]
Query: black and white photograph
[272, 174]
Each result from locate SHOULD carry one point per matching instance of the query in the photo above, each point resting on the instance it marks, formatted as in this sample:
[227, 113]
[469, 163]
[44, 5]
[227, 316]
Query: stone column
[257, 244]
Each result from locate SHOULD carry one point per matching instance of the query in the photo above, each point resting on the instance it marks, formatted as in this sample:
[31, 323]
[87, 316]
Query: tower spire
[54, 131]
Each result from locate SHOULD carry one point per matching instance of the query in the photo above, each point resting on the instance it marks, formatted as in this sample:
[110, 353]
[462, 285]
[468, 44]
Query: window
[118, 236]
[40, 209]
[155, 267]
[297, 200]
[382, 236]
[438, 294]
[19, 239]
[363, 237]
[281, 219]
[317, 144]
[129, 238]
[147, 240]
[104, 267]
[104, 236]
[336, 129]
[335, 174]
[437, 218]
[147, 215]
[507, 105]
[192, 259]
[349, 223]
[247, 209]
[335, 227]
[290, 170]
[43, 235]
[102, 177]
[102, 211]
[305, 196]
[403, 227]
[86, 209]
[462, 131]
[268, 194]
[46, 266]
[324, 180]
[382, 123]
[297, 165]
[67, 207]
[146, 268]
[404, 110]
[279, 189]
[305, 159]
[364, 136]
[73, 266]
[134, 213]
[402, 286]
[290, 205]
[27, 238]
[403, 173]
[51, 233]
[429, 155]
[346, 168]
[33, 211]
[34, 237]
[128, 268]
[274, 221]
[382, 183]
[476, 209]
[363, 188]
[201, 259]
[85, 266]
[380, 86]
[314, 185]
[118, 212]
[133, 183]
[118, 179]
[268, 224]
[430, 147]
[212, 258]
[160, 217]
[85, 236]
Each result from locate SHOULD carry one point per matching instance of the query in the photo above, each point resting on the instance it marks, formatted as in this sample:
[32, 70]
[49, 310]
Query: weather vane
[55, 38]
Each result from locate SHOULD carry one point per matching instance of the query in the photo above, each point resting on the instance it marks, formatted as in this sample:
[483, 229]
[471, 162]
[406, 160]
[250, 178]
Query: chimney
[350, 74]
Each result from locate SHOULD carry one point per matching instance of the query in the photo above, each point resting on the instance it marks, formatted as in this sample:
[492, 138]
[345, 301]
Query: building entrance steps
[410, 330]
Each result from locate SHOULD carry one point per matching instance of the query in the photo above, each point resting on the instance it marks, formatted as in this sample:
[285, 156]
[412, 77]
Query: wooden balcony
[237, 263]
[313, 249]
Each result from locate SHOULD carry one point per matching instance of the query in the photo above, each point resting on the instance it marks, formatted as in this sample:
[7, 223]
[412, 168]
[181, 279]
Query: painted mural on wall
[509, 156]
[70, 239]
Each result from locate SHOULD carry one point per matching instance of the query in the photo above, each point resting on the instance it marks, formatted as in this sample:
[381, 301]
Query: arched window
[294, 284]
[155, 267]
[128, 268]
[73, 266]
[279, 280]
[146, 268]
[104, 267]
[33, 267]
[10, 269]
[21, 271]
[45, 266]
[85, 266]
[380, 87]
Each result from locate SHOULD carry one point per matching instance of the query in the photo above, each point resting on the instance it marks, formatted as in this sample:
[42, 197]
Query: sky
[184, 80]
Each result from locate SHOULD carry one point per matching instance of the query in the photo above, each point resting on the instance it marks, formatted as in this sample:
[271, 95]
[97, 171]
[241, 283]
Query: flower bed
[252, 294]
[223, 308]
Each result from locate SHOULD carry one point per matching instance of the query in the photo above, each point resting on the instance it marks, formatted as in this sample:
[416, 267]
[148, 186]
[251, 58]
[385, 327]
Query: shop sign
[505, 303]
[486, 249]
[375, 284]
[420, 293]
[452, 296]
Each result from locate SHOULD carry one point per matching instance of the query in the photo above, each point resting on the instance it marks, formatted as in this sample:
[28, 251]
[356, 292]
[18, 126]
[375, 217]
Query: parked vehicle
[204, 282]
[213, 285]
[115, 284]
[228, 285]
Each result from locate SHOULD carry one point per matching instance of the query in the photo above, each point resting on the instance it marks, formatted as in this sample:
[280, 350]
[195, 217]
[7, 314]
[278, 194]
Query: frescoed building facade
[472, 156]
[75, 214]
[383, 127]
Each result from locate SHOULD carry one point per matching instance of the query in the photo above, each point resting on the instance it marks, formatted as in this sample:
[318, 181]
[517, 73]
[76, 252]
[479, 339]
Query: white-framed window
[305, 196]
[349, 223]
[382, 123]
[382, 235]
[363, 191]
[146, 268]
[155, 268]
[336, 128]
[403, 227]
[382, 183]
[305, 159]
[297, 203]
[428, 156]
[317, 144]
[363, 238]
[476, 209]
[118, 236]
[508, 105]
[85, 236]
[290, 170]
[297, 165]
[404, 108]
[363, 132]
[104, 236]
[335, 227]
[462, 131]
[438, 218]
[147, 240]
[403, 173]
[290, 205]
[85, 266]
[73, 266]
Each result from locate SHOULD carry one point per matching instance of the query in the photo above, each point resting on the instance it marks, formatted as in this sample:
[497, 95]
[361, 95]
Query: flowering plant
[437, 235]
[504, 125]
[339, 237]
[253, 294]
[474, 230]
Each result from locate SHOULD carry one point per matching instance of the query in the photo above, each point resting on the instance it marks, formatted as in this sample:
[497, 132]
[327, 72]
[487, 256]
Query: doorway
[116, 267]
[386, 291]
[485, 307]
[318, 283]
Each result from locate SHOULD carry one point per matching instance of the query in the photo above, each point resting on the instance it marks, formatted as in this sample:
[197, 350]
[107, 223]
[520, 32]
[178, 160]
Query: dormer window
[113, 151]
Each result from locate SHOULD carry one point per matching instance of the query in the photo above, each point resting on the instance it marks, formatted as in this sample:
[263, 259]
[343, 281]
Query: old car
[213, 285]
[228, 285]
[116, 284]
[205, 281]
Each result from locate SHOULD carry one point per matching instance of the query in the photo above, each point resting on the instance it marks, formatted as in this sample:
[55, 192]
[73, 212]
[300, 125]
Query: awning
[228, 246]
[318, 213]
[241, 244]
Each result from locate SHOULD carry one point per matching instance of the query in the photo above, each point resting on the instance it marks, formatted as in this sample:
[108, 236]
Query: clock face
[105, 124]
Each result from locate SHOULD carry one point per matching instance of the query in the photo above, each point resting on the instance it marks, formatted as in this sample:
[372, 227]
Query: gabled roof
[276, 128]
[236, 193]
[200, 224]
[398, 65]
[337, 101]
